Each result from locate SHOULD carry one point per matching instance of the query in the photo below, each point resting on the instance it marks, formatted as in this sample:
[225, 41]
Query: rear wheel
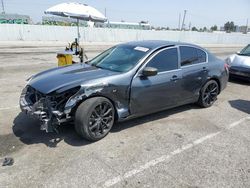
[94, 118]
[208, 94]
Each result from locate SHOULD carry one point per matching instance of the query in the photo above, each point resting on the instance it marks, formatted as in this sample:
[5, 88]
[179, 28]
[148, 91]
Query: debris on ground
[8, 161]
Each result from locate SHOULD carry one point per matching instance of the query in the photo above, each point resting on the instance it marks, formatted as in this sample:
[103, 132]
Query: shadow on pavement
[28, 129]
[241, 105]
[156, 116]
[240, 81]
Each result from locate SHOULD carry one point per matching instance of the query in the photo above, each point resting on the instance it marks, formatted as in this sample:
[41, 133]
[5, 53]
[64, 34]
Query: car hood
[241, 61]
[69, 76]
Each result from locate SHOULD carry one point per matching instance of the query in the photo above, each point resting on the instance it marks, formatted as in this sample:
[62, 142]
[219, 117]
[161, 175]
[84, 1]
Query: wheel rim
[101, 119]
[210, 94]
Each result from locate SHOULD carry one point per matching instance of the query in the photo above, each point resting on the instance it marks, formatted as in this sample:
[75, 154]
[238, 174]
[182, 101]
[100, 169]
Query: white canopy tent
[78, 11]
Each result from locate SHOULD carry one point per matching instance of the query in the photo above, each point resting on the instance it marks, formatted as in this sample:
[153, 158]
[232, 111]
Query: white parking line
[8, 108]
[164, 158]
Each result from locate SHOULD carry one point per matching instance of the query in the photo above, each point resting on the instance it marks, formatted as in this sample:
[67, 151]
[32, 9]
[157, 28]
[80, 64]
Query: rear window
[191, 55]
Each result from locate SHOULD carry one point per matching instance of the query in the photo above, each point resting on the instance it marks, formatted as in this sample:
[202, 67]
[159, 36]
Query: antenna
[3, 11]
[183, 21]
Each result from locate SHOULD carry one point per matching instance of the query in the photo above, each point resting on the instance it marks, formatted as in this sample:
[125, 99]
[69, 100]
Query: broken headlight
[72, 101]
[59, 100]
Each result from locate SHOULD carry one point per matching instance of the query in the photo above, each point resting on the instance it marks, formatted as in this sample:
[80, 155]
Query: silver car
[239, 64]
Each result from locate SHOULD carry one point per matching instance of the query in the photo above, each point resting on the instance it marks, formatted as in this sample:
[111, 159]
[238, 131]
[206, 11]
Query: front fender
[117, 95]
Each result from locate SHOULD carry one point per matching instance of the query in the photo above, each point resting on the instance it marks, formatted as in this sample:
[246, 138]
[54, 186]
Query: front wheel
[208, 94]
[94, 118]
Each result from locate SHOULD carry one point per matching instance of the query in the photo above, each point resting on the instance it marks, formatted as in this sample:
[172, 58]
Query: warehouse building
[125, 25]
[62, 21]
[15, 19]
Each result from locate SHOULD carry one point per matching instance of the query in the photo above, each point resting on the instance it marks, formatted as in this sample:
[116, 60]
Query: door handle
[174, 78]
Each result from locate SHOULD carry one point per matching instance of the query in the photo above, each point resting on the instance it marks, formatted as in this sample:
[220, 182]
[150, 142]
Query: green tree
[214, 28]
[229, 27]
[194, 29]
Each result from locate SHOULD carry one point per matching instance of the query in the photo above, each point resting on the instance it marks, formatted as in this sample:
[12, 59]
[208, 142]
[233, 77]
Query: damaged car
[126, 81]
[239, 64]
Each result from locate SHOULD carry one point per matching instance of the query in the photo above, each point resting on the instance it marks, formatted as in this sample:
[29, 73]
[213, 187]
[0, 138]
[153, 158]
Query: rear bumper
[224, 80]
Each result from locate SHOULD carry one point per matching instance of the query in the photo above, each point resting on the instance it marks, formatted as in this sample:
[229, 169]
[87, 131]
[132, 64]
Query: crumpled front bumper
[25, 106]
[35, 110]
[38, 105]
[51, 109]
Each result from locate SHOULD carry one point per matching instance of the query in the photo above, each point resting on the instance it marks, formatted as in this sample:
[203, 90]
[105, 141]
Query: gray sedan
[126, 81]
[240, 64]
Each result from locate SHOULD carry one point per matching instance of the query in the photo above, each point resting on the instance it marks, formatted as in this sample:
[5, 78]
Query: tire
[208, 94]
[94, 118]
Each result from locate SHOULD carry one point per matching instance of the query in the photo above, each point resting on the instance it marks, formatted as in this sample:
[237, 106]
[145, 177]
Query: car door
[194, 66]
[153, 93]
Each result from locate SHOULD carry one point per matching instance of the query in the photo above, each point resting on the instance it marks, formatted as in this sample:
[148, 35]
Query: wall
[11, 32]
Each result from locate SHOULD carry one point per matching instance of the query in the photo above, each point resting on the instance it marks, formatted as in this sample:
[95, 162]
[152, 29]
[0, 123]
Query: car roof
[155, 44]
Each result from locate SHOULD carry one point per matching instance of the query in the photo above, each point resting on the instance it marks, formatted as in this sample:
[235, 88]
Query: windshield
[121, 58]
[245, 51]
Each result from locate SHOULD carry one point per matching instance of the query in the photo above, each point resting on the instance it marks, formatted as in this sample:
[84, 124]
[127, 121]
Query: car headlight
[72, 102]
[67, 99]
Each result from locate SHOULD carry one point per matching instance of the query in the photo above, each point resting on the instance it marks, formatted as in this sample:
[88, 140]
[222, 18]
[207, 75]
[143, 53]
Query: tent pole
[78, 32]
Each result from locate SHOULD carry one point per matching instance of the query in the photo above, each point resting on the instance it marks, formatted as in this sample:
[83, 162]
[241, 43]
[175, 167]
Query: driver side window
[165, 60]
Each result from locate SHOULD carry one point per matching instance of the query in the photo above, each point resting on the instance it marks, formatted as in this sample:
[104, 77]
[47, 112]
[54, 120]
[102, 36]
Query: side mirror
[149, 71]
[238, 52]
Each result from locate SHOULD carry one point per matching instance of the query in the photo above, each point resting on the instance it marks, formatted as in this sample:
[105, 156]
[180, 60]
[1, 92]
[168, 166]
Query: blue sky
[158, 12]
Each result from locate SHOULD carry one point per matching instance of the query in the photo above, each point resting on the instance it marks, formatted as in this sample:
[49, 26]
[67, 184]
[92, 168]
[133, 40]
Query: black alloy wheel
[101, 119]
[94, 118]
[209, 94]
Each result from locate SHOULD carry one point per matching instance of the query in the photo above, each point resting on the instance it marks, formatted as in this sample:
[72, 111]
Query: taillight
[226, 67]
[228, 61]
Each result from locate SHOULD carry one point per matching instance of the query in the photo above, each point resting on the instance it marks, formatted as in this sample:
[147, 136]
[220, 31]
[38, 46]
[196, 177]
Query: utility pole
[179, 25]
[247, 26]
[3, 11]
[183, 21]
[189, 26]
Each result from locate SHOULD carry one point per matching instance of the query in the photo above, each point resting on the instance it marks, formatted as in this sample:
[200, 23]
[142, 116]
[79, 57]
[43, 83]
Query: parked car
[239, 64]
[126, 81]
